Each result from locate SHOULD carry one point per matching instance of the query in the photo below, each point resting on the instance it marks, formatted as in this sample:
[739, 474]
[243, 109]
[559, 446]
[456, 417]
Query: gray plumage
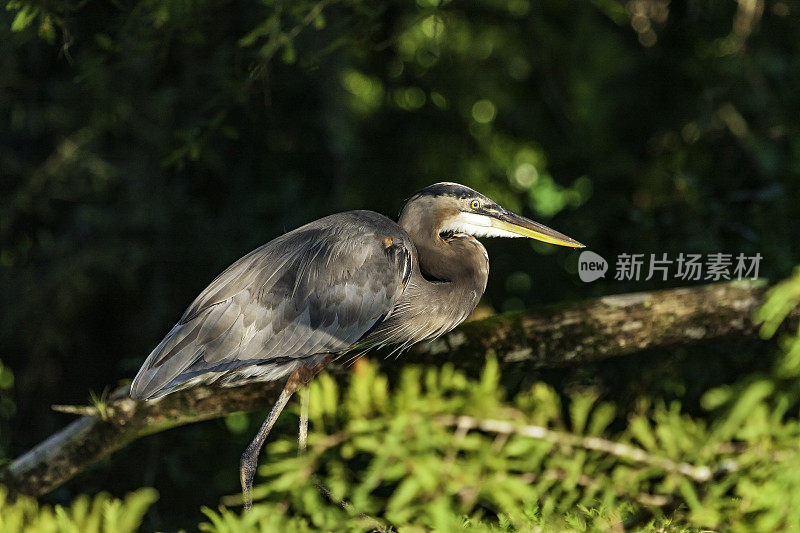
[315, 290]
[345, 282]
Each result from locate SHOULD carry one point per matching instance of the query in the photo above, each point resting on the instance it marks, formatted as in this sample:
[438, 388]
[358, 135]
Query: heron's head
[452, 210]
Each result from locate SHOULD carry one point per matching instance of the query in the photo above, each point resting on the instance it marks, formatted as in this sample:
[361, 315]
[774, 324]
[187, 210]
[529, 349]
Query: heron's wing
[318, 289]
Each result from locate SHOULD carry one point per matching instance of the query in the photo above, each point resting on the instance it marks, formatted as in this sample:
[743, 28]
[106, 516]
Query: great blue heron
[348, 281]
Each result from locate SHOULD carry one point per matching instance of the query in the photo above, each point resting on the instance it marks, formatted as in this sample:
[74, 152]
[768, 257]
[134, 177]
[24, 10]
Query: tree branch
[700, 474]
[572, 333]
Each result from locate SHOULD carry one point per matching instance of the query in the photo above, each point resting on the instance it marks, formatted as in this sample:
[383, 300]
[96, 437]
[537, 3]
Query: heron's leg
[249, 462]
[302, 436]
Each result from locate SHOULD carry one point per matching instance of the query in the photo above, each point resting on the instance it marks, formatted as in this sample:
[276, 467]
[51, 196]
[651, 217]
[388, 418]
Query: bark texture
[566, 334]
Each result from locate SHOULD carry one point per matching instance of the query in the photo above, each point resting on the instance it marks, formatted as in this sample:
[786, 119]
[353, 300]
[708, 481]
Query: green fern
[100, 513]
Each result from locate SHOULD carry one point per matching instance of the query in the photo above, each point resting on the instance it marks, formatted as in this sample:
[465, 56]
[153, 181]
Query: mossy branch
[573, 333]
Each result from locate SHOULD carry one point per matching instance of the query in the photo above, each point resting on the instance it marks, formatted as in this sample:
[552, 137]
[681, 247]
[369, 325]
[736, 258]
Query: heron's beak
[508, 221]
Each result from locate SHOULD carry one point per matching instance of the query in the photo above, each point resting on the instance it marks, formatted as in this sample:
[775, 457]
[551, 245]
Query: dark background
[144, 146]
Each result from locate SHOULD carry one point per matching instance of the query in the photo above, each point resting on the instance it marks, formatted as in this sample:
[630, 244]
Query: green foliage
[100, 513]
[443, 452]
[781, 300]
[28, 13]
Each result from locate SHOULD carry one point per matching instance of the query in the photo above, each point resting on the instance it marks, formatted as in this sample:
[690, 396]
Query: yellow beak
[520, 225]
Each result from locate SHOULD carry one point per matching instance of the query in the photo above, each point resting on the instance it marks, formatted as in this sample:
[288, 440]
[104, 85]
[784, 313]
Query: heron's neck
[454, 271]
[447, 281]
[459, 261]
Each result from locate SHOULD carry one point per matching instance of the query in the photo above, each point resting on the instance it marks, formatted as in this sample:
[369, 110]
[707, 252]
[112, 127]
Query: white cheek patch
[475, 225]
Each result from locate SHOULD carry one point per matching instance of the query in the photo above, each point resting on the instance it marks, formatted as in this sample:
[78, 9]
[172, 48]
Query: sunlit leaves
[437, 450]
[367, 92]
[27, 14]
[100, 513]
[483, 111]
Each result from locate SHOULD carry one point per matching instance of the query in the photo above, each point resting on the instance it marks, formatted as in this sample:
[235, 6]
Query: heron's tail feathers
[155, 378]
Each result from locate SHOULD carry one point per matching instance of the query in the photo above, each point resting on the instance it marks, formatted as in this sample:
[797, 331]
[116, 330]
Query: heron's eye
[475, 204]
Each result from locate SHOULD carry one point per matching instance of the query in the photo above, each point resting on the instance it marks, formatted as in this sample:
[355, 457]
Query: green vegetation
[442, 451]
[101, 513]
[146, 145]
